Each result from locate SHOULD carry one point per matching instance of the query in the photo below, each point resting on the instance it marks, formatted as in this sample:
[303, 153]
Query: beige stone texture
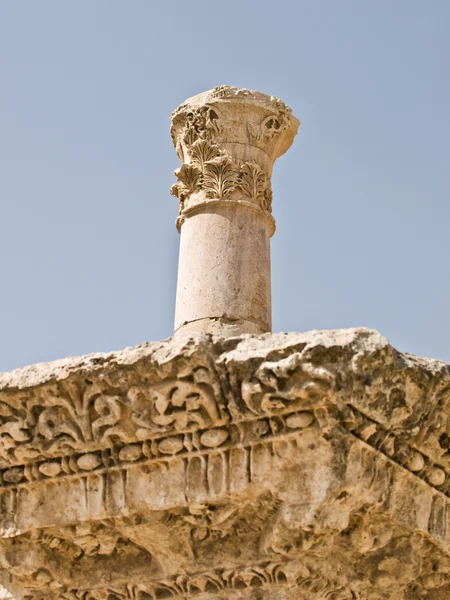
[227, 140]
[227, 463]
[311, 466]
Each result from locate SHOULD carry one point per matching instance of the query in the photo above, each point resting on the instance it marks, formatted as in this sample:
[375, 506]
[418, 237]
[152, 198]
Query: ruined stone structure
[302, 466]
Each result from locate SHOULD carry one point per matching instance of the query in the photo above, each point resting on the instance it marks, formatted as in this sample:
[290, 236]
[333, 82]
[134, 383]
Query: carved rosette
[227, 140]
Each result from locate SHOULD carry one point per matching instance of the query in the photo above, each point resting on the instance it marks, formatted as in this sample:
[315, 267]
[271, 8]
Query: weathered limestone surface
[288, 466]
[227, 140]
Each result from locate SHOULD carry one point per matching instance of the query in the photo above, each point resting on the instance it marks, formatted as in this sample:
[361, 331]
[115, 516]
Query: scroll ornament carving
[210, 170]
[271, 125]
[254, 183]
[37, 427]
[200, 123]
[287, 385]
[203, 122]
[302, 413]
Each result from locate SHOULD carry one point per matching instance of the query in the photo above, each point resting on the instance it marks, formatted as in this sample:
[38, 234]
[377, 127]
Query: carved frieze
[263, 576]
[289, 466]
[211, 444]
[72, 417]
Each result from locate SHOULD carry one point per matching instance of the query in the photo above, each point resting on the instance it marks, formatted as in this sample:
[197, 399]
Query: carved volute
[228, 140]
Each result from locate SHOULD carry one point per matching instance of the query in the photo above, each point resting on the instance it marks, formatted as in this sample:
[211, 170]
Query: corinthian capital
[228, 140]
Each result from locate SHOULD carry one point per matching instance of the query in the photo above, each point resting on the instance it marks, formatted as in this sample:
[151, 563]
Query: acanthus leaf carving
[253, 181]
[190, 180]
[202, 152]
[189, 176]
[220, 178]
[224, 128]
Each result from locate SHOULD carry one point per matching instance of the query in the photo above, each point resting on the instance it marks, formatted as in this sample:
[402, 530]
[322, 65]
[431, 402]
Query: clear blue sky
[88, 247]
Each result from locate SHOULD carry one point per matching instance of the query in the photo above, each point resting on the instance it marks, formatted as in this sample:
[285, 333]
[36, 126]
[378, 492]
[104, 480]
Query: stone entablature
[288, 466]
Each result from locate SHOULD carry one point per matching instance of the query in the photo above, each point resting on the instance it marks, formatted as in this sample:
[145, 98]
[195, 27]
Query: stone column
[227, 140]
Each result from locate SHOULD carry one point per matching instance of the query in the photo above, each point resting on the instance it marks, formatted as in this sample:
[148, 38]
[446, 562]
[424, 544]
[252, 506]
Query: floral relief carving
[200, 123]
[214, 172]
[220, 178]
[178, 404]
[40, 428]
[253, 182]
[203, 152]
[189, 181]
[186, 441]
[287, 384]
[13, 430]
[273, 125]
[222, 158]
[148, 483]
[107, 422]
[190, 177]
[57, 428]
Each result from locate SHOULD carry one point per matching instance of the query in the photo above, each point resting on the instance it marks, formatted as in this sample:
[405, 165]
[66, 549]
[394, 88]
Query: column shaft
[224, 271]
